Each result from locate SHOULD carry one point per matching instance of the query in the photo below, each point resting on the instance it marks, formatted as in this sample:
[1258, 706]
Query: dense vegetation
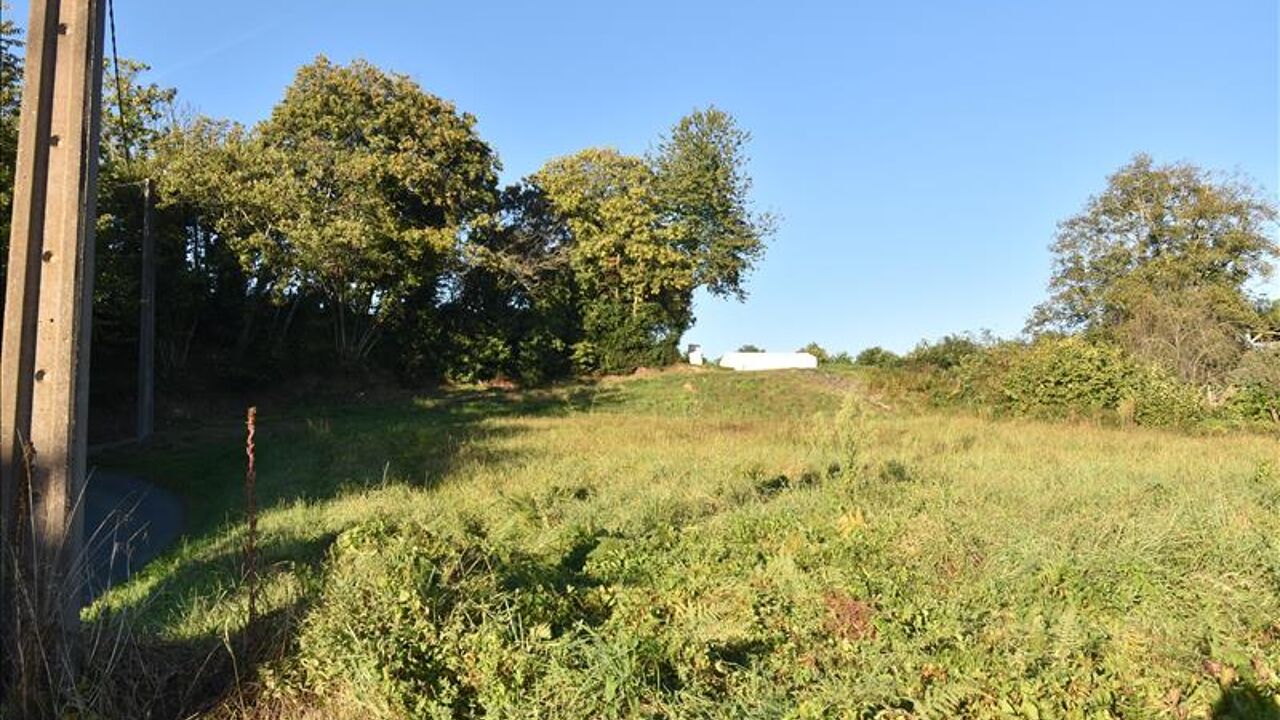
[1153, 314]
[362, 227]
[890, 536]
[713, 544]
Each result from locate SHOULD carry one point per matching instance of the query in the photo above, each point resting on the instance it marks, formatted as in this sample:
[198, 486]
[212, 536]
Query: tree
[1160, 262]
[749, 348]
[817, 351]
[515, 310]
[1268, 311]
[205, 173]
[704, 191]
[135, 115]
[877, 356]
[647, 232]
[10, 102]
[1196, 336]
[636, 282]
[1156, 231]
[357, 189]
[1257, 384]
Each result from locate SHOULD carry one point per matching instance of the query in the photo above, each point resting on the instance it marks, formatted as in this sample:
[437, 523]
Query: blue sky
[918, 153]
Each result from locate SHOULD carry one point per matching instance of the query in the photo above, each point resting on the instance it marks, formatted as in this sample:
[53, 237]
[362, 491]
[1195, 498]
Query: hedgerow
[1061, 377]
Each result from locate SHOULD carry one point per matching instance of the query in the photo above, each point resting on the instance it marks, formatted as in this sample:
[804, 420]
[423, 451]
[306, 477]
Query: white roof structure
[768, 361]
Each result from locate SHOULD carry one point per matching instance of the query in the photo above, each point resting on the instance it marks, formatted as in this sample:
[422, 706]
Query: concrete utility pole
[44, 366]
[147, 319]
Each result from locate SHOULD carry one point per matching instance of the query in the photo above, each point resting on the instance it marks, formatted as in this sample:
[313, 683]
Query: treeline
[1154, 315]
[361, 227]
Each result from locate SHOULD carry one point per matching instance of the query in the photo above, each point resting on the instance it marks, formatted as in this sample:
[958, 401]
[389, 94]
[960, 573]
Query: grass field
[708, 544]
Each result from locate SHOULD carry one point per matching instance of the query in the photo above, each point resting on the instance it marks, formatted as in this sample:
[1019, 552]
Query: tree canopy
[369, 202]
[648, 231]
[361, 225]
[1166, 227]
[1162, 261]
[358, 188]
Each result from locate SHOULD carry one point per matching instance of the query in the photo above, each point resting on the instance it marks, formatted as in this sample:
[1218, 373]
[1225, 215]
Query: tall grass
[721, 545]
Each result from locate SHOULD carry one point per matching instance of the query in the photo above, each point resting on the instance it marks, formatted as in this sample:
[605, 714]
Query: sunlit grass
[705, 543]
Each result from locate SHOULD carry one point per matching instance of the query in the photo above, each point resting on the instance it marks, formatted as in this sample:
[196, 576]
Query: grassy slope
[709, 544]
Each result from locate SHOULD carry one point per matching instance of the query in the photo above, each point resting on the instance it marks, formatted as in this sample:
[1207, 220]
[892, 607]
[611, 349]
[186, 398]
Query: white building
[768, 361]
[695, 355]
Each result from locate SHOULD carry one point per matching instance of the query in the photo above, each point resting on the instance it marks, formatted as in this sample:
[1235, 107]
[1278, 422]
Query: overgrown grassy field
[708, 544]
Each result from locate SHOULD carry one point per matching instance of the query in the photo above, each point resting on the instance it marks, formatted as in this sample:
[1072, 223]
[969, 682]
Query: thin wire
[120, 98]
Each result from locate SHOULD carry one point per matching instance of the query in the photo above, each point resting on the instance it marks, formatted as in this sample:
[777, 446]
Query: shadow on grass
[1246, 701]
[152, 677]
[313, 456]
[328, 451]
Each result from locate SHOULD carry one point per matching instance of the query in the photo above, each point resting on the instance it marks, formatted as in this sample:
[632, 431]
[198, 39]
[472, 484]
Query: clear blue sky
[919, 153]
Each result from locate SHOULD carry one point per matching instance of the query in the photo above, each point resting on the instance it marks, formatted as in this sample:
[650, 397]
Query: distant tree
[515, 311]
[750, 349]
[1259, 367]
[1268, 312]
[648, 231]
[877, 356]
[703, 192]
[817, 351]
[357, 189]
[841, 358]
[1163, 258]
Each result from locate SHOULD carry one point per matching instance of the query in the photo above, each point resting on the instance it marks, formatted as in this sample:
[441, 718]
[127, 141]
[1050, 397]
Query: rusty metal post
[251, 511]
[147, 319]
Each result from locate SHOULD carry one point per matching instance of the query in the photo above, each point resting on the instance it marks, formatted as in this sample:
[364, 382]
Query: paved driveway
[128, 521]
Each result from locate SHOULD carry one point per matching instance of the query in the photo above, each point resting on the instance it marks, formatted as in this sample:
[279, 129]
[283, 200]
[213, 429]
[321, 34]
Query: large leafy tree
[636, 281]
[704, 192]
[10, 100]
[514, 309]
[135, 114]
[214, 194]
[1162, 261]
[357, 189]
[648, 231]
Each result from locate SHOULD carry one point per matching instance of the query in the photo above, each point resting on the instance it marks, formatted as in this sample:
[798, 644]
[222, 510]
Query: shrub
[1161, 400]
[383, 630]
[1067, 377]
[946, 353]
[1257, 383]
[1071, 376]
[841, 358]
[878, 357]
[413, 623]
[817, 351]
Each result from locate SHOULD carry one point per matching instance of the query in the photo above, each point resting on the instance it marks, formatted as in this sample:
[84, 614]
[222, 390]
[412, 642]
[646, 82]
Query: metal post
[45, 359]
[147, 319]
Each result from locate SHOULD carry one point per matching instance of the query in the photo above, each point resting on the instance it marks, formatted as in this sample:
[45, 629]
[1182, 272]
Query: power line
[120, 97]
